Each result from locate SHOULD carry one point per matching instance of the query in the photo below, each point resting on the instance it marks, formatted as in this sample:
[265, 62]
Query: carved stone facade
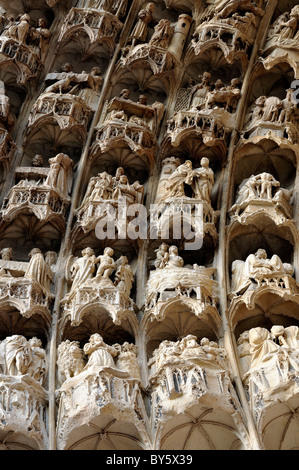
[127, 129]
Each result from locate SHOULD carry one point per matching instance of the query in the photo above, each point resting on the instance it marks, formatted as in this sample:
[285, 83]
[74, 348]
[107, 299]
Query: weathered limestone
[182, 115]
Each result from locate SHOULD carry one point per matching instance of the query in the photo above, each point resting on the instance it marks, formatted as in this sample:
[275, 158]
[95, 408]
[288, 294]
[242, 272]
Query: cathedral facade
[149, 283]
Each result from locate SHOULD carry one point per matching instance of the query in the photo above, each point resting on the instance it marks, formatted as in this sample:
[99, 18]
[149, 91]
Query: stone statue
[272, 108]
[125, 191]
[19, 30]
[100, 354]
[289, 107]
[257, 266]
[38, 366]
[107, 265]
[174, 260]
[4, 102]
[6, 254]
[199, 92]
[244, 351]
[41, 36]
[99, 188]
[163, 33]
[257, 187]
[20, 356]
[83, 268]
[60, 174]
[37, 161]
[37, 270]
[145, 17]
[162, 256]
[203, 181]
[262, 348]
[287, 337]
[288, 26]
[224, 96]
[127, 360]
[168, 257]
[70, 360]
[182, 175]
[124, 277]
[258, 346]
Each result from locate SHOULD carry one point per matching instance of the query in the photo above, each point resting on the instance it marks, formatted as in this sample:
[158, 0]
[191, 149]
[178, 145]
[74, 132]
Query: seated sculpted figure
[174, 260]
[126, 191]
[99, 353]
[262, 347]
[168, 257]
[257, 266]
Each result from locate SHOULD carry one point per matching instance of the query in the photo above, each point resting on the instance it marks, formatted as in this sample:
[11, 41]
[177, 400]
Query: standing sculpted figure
[272, 108]
[83, 268]
[37, 270]
[17, 355]
[199, 92]
[145, 17]
[38, 366]
[60, 174]
[125, 191]
[99, 187]
[41, 36]
[20, 356]
[244, 351]
[162, 34]
[19, 30]
[124, 277]
[203, 181]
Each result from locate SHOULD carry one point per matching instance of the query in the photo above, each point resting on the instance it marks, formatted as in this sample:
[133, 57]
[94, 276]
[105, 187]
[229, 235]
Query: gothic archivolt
[139, 342]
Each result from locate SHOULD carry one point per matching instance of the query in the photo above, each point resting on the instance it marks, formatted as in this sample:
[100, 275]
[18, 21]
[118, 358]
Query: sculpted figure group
[200, 179]
[206, 95]
[59, 176]
[188, 349]
[257, 266]
[168, 257]
[84, 271]
[285, 27]
[19, 356]
[96, 355]
[39, 270]
[113, 188]
[273, 109]
[20, 30]
[123, 109]
[258, 346]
